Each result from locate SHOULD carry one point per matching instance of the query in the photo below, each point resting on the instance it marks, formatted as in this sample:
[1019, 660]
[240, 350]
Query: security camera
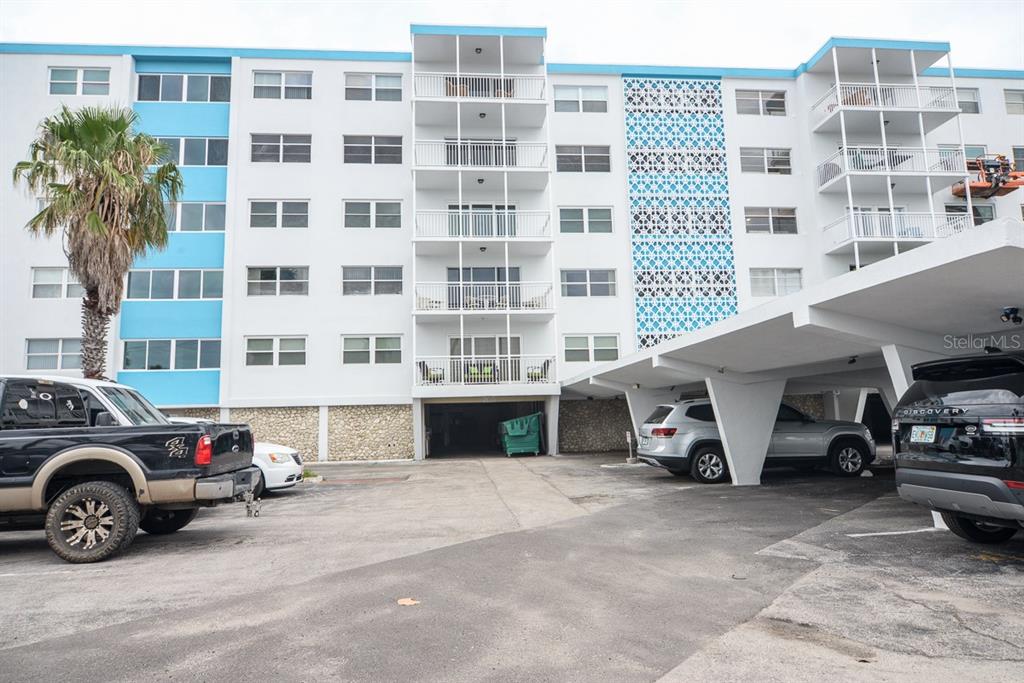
[1011, 314]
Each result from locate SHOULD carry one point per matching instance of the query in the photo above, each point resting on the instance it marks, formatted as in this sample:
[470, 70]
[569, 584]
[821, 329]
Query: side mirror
[104, 419]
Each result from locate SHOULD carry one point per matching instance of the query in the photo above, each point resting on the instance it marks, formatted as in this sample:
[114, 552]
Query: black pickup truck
[65, 468]
[958, 437]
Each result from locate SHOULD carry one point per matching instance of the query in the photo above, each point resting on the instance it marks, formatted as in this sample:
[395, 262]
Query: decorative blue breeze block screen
[683, 271]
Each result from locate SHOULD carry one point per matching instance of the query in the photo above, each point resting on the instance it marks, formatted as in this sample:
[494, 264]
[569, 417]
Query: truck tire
[158, 522]
[847, 457]
[709, 465]
[977, 532]
[91, 522]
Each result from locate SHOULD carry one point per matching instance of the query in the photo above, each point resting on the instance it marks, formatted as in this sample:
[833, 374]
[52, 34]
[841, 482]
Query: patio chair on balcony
[538, 373]
[430, 375]
[481, 372]
[425, 303]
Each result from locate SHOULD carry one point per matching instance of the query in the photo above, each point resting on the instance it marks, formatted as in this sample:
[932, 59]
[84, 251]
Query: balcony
[901, 102]
[873, 161]
[479, 224]
[481, 155]
[484, 371]
[877, 231]
[480, 86]
[484, 297]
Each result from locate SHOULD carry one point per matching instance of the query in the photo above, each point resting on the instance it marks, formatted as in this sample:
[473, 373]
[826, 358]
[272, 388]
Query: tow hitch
[252, 504]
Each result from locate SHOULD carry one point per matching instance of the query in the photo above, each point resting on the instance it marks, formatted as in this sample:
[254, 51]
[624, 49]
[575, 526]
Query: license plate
[644, 441]
[922, 434]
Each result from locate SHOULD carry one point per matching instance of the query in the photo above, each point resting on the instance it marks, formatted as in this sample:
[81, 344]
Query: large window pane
[186, 354]
[159, 356]
[149, 88]
[189, 284]
[209, 353]
[214, 217]
[134, 355]
[195, 152]
[198, 88]
[220, 88]
[191, 216]
[138, 284]
[217, 152]
[162, 284]
[213, 284]
[171, 88]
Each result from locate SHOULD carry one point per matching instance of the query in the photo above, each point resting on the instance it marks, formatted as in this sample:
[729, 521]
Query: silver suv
[683, 438]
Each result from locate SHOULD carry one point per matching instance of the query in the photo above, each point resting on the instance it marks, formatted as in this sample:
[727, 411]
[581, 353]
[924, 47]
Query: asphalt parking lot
[573, 568]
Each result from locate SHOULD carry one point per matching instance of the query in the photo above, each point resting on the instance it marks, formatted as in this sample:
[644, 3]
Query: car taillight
[204, 450]
[1003, 425]
[1015, 484]
[663, 431]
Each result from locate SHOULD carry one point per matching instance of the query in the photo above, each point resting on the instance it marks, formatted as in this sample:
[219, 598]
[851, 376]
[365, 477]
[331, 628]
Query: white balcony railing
[483, 224]
[886, 97]
[876, 159]
[484, 296]
[480, 86]
[905, 226]
[481, 154]
[475, 370]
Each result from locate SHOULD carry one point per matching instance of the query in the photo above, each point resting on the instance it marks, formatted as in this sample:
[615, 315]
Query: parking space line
[894, 533]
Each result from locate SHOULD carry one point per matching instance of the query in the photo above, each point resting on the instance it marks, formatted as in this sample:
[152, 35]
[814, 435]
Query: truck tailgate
[232, 448]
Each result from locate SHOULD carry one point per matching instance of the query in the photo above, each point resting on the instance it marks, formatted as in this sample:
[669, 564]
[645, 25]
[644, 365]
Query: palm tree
[104, 188]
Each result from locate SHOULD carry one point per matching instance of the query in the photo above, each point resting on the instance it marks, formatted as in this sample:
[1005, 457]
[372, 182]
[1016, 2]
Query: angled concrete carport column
[899, 360]
[846, 404]
[641, 402]
[746, 416]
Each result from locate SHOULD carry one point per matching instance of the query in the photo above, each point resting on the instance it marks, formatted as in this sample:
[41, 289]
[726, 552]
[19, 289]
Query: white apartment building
[383, 254]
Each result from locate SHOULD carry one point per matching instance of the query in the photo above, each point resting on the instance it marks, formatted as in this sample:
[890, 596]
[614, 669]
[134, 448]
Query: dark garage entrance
[471, 428]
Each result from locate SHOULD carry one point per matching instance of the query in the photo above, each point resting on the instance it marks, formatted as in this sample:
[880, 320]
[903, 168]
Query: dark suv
[958, 437]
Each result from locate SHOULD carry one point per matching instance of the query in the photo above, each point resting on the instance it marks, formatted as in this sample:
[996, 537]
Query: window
[761, 102]
[364, 280]
[582, 158]
[701, 411]
[787, 414]
[171, 354]
[584, 219]
[581, 98]
[74, 81]
[599, 347]
[983, 213]
[1018, 158]
[376, 214]
[271, 213]
[378, 350]
[765, 160]
[53, 354]
[373, 149]
[294, 149]
[774, 281]
[588, 283]
[55, 283]
[195, 216]
[969, 100]
[278, 281]
[1014, 101]
[175, 284]
[275, 351]
[196, 151]
[187, 87]
[380, 87]
[770, 219]
[271, 85]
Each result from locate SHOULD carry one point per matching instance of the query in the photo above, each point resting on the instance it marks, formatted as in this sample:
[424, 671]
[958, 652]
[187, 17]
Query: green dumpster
[521, 435]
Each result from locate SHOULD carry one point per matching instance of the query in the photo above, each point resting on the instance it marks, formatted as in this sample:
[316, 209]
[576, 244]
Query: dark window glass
[163, 284]
[191, 216]
[189, 284]
[217, 152]
[138, 284]
[659, 415]
[213, 284]
[198, 88]
[149, 88]
[195, 152]
[159, 357]
[134, 355]
[787, 414]
[209, 353]
[171, 88]
[214, 217]
[186, 354]
[703, 412]
[220, 88]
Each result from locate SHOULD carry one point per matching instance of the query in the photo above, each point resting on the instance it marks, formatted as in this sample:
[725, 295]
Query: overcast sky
[758, 33]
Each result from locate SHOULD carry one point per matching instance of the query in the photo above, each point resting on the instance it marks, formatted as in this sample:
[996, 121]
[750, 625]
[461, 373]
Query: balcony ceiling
[527, 52]
[860, 121]
[446, 179]
[854, 61]
[517, 115]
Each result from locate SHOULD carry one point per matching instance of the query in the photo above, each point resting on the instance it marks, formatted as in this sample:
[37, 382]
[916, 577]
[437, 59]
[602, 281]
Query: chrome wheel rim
[710, 466]
[849, 459]
[86, 523]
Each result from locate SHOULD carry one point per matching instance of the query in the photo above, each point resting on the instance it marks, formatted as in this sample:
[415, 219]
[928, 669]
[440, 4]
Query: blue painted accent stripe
[201, 52]
[175, 387]
[151, 65]
[443, 30]
[975, 73]
[175, 319]
[179, 119]
[187, 250]
[204, 183]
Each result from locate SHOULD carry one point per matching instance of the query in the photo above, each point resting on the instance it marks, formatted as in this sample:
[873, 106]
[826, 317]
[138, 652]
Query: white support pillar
[419, 431]
[746, 416]
[899, 361]
[642, 402]
[845, 404]
[551, 405]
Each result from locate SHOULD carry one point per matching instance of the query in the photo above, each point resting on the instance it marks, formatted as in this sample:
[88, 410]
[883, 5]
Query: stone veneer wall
[369, 432]
[204, 413]
[294, 427]
[812, 404]
[593, 426]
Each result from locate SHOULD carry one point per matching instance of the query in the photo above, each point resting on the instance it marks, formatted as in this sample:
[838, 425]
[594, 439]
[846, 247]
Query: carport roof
[924, 298]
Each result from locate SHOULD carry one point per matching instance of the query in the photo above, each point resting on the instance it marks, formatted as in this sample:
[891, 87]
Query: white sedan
[281, 466]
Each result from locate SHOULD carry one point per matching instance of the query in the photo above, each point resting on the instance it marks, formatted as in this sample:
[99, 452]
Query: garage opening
[471, 429]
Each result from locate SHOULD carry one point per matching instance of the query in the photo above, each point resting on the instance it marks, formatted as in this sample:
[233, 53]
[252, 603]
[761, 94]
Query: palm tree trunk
[95, 324]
